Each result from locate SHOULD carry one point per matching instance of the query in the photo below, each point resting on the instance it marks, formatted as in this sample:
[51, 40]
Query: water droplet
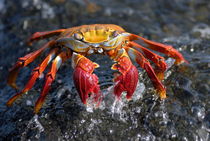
[28, 102]
[199, 112]
[25, 24]
[170, 62]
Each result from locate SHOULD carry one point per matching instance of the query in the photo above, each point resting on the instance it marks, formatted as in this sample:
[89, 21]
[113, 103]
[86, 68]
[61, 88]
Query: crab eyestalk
[84, 80]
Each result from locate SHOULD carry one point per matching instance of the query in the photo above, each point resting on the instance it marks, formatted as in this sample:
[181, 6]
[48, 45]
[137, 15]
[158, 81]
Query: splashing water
[110, 101]
[170, 62]
[32, 125]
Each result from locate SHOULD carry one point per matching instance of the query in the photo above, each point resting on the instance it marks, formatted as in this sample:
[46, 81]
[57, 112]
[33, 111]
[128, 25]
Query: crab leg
[162, 48]
[46, 34]
[50, 77]
[84, 80]
[144, 63]
[35, 74]
[158, 60]
[128, 78]
[23, 62]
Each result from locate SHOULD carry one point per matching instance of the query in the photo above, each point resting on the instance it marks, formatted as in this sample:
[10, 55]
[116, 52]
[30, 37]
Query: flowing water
[183, 115]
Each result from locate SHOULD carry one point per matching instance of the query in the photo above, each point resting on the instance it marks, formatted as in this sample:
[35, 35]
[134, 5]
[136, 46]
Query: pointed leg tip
[36, 111]
[13, 85]
[9, 103]
[162, 94]
[37, 107]
[178, 62]
[181, 60]
[29, 43]
[12, 100]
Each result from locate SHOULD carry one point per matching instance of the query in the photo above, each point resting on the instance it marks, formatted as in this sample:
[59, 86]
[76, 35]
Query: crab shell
[94, 39]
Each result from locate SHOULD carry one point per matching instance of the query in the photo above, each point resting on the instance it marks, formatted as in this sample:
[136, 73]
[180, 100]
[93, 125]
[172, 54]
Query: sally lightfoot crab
[106, 39]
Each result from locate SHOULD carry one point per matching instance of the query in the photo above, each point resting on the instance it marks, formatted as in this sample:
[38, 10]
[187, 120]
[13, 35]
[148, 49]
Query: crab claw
[128, 79]
[144, 64]
[85, 81]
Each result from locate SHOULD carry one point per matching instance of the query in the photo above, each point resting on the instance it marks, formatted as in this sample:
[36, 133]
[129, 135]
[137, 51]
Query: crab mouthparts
[95, 50]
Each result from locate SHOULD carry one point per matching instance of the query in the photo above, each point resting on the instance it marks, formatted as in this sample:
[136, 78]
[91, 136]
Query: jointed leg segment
[46, 34]
[158, 60]
[50, 77]
[23, 62]
[162, 48]
[35, 74]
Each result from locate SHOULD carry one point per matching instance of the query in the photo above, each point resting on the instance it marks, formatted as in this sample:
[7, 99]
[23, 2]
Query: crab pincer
[144, 64]
[85, 81]
[128, 78]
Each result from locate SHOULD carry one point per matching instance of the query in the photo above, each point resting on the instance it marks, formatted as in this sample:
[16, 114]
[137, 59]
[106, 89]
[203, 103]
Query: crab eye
[78, 36]
[115, 33]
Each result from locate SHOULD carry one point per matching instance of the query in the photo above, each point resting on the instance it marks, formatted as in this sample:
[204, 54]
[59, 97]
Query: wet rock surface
[184, 115]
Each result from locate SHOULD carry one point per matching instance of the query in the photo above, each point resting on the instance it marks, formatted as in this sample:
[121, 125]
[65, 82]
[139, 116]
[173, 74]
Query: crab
[77, 43]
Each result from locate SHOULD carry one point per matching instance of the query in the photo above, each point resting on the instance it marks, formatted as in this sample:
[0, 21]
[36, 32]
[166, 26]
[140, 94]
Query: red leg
[144, 63]
[128, 78]
[84, 80]
[35, 74]
[158, 60]
[165, 49]
[46, 34]
[23, 62]
[50, 77]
